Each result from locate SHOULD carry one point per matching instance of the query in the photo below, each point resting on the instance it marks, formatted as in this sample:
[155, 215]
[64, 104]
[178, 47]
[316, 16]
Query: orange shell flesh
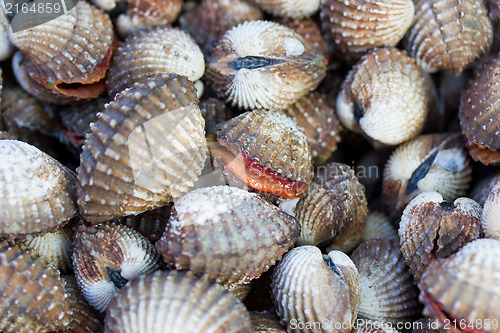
[483, 154]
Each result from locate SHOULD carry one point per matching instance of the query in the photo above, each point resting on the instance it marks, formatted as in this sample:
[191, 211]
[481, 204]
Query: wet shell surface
[355, 27]
[264, 65]
[171, 301]
[432, 228]
[106, 257]
[490, 220]
[385, 97]
[229, 234]
[378, 225]
[124, 173]
[448, 34]
[387, 289]
[289, 8]
[152, 53]
[37, 191]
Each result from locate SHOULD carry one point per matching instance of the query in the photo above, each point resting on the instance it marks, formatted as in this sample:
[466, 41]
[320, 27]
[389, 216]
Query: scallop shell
[264, 65]
[480, 191]
[150, 224]
[387, 290]
[153, 53]
[302, 298]
[227, 233]
[123, 174]
[448, 34]
[478, 113]
[175, 302]
[37, 191]
[385, 97]
[106, 257]
[215, 112]
[432, 228]
[265, 322]
[490, 220]
[290, 8]
[378, 225]
[355, 27]
[432, 162]
[463, 287]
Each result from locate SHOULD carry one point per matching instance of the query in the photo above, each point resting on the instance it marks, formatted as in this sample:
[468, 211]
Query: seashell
[378, 225]
[292, 8]
[373, 326]
[494, 11]
[478, 113]
[384, 97]
[123, 174]
[315, 114]
[490, 219]
[302, 298]
[151, 224]
[240, 291]
[6, 136]
[264, 65]
[171, 301]
[6, 47]
[106, 257]
[480, 191]
[310, 30]
[355, 27]
[33, 294]
[215, 112]
[388, 293]
[461, 287]
[69, 54]
[229, 234]
[432, 228]
[335, 210]
[152, 53]
[432, 162]
[265, 322]
[37, 191]
[449, 35]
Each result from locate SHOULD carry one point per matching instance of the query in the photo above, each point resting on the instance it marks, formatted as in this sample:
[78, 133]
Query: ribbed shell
[355, 27]
[433, 162]
[37, 191]
[215, 112]
[387, 289]
[479, 112]
[490, 220]
[265, 322]
[106, 257]
[122, 173]
[378, 225]
[385, 97]
[171, 302]
[150, 224]
[264, 65]
[480, 191]
[373, 326]
[464, 286]
[6, 47]
[301, 296]
[229, 234]
[289, 8]
[152, 53]
[310, 30]
[449, 34]
[240, 291]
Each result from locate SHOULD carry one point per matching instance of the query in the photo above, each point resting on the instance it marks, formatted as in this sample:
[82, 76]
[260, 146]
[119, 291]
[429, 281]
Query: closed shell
[309, 28]
[490, 220]
[378, 225]
[290, 8]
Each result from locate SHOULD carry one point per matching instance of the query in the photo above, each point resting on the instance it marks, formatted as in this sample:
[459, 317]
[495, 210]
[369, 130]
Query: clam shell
[291, 8]
[240, 291]
[378, 225]
[37, 191]
[6, 47]
[175, 302]
[387, 290]
[215, 112]
[122, 172]
[449, 35]
[385, 97]
[227, 233]
[265, 322]
[490, 220]
[150, 224]
[311, 31]
[264, 65]
[480, 191]
[106, 257]
[153, 53]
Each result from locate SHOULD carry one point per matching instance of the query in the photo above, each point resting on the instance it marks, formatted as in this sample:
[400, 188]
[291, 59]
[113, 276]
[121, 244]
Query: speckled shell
[378, 225]
[387, 289]
[490, 220]
[106, 257]
[448, 34]
[432, 162]
[154, 53]
[123, 174]
[355, 27]
[335, 208]
[315, 114]
[150, 224]
[289, 8]
[6, 47]
[432, 228]
[480, 191]
[173, 302]
[463, 286]
[385, 97]
[229, 234]
[302, 297]
[264, 65]
[37, 191]
[478, 113]
[215, 112]
[265, 322]
[310, 30]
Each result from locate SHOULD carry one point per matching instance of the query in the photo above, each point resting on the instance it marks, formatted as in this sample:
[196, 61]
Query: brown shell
[289, 8]
[264, 65]
[171, 302]
[378, 225]
[480, 191]
[6, 47]
[240, 291]
[387, 290]
[106, 257]
[357, 26]
[310, 30]
[229, 234]
[490, 220]
[479, 110]
[150, 224]
[215, 112]
[385, 97]
[123, 174]
[265, 322]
